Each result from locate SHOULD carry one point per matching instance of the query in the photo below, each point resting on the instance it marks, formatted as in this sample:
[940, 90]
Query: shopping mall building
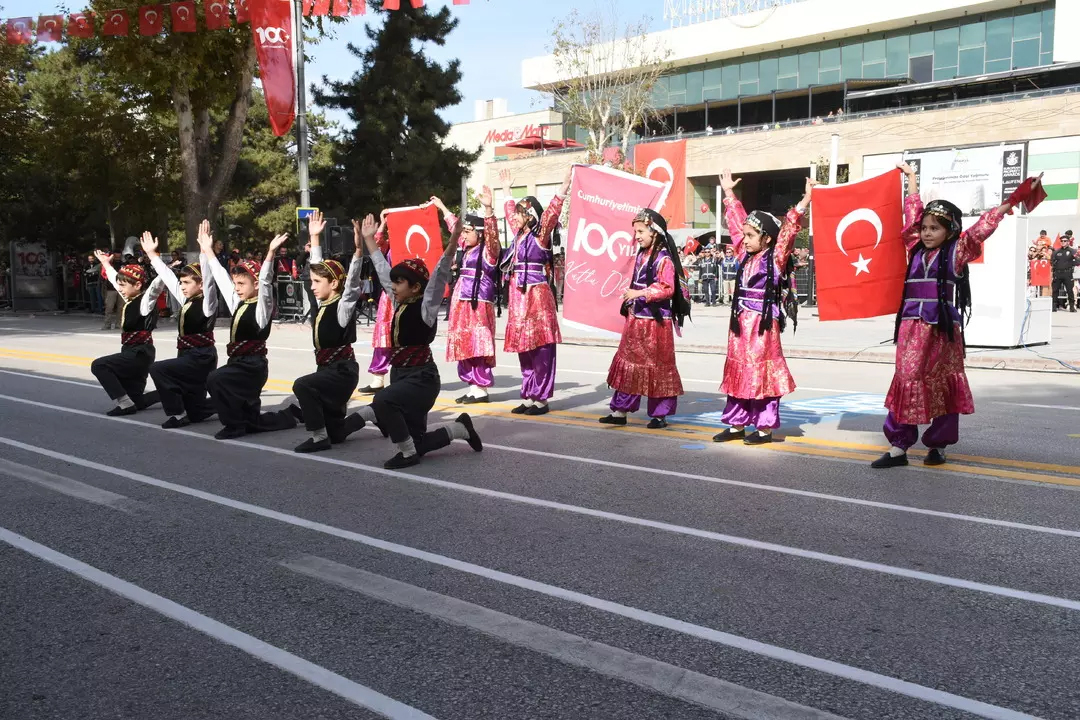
[764, 92]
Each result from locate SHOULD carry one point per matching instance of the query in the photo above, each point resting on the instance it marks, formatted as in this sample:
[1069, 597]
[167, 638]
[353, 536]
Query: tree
[610, 74]
[395, 155]
[16, 61]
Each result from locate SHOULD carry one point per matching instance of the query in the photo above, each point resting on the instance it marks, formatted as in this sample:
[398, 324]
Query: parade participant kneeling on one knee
[930, 384]
[645, 361]
[123, 375]
[401, 409]
[324, 394]
[235, 388]
[756, 374]
[181, 381]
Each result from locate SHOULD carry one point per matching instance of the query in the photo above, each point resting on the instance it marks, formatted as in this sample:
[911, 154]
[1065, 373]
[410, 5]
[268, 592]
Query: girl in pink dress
[930, 385]
[756, 374]
[379, 368]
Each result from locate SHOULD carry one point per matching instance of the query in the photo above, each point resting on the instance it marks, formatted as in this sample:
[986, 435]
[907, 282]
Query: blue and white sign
[800, 412]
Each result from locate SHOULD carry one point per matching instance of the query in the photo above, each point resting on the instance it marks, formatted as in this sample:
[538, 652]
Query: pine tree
[395, 156]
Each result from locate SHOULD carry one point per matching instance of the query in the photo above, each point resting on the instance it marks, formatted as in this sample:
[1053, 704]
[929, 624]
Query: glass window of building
[972, 35]
[946, 47]
[1027, 26]
[731, 81]
[694, 87]
[999, 39]
[1025, 53]
[971, 61]
[922, 43]
[851, 63]
[921, 69]
[767, 74]
[896, 56]
[808, 69]
[1048, 31]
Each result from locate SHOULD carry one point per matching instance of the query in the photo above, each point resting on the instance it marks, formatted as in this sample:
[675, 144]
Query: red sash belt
[246, 347]
[411, 356]
[195, 340]
[139, 337]
[326, 356]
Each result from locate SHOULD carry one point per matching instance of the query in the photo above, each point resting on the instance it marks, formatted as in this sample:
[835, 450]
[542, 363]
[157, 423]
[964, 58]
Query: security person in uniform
[1062, 263]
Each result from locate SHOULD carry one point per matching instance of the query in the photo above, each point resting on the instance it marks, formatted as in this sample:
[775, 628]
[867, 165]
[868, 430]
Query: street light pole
[301, 107]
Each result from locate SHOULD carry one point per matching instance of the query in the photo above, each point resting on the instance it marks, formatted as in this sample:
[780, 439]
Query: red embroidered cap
[133, 272]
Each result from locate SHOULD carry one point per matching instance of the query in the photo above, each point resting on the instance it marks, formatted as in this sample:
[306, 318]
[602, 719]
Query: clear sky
[491, 40]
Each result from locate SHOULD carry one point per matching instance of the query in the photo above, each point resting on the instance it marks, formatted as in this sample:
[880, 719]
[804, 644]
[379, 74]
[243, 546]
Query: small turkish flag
[151, 19]
[50, 28]
[1040, 273]
[417, 3]
[415, 233]
[20, 31]
[217, 15]
[860, 255]
[116, 23]
[461, 2]
[341, 8]
[243, 14]
[321, 7]
[391, 4]
[81, 25]
[183, 16]
[358, 7]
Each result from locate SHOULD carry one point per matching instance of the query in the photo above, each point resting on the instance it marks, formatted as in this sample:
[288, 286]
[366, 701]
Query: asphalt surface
[568, 571]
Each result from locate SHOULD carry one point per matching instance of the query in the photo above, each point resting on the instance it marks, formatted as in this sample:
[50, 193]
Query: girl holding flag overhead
[656, 302]
[756, 374]
[532, 329]
[930, 385]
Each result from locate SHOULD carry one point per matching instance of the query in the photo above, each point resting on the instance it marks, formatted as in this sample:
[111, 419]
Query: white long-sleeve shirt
[232, 300]
[350, 292]
[172, 284]
[433, 293]
[150, 294]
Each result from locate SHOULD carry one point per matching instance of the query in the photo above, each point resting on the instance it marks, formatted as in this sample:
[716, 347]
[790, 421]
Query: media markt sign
[501, 137]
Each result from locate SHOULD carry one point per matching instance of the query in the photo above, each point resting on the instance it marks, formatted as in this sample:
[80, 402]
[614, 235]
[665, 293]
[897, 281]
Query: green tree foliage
[395, 154]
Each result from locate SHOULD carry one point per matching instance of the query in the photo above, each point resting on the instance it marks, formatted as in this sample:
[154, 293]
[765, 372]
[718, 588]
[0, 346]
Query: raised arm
[448, 217]
[214, 270]
[165, 274]
[106, 267]
[350, 291]
[913, 208]
[550, 218]
[733, 211]
[509, 204]
[491, 228]
[264, 305]
[790, 228]
[148, 302]
[368, 230]
[209, 287]
[436, 287]
[381, 239]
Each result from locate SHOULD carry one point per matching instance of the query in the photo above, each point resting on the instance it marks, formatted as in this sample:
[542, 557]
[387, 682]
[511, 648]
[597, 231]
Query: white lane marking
[588, 461]
[1041, 407]
[839, 560]
[830, 667]
[281, 659]
[67, 486]
[654, 675]
[52, 379]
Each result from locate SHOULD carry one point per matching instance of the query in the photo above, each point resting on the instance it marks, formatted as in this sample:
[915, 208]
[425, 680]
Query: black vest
[132, 319]
[408, 328]
[193, 320]
[326, 333]
[244, 328]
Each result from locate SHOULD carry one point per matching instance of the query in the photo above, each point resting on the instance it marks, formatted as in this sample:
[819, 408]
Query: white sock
[539, 403]
[737, 428]
[182, 416]
[457, 431]
[367, 413]
[124, 402]
[319, 435]
[477, 392]
[896, 452]
[376, 381]
[407, 448]
[618, 413]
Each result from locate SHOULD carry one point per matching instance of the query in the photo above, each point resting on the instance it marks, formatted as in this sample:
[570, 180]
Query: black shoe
[613, 420]
[473, 400]
[400, 461]
[175, 422]
[934, 457]
[473, 439]
[295, 411]
[118, 411]
[537, 410]
[520, 409]
[462, 400]
[729, 435]
[147, 400]
[657, 424]
[200, 418]
[758, 438]
[368, 390]
[310, 446]
[888, 461]
[229, 433]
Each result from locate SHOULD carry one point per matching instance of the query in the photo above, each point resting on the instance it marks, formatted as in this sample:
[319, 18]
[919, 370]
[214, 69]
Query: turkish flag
[183, 16]
[217, 15]
[691, 247]
[1040, 273]
[417, 3]
[461, 2]
[391, 4]
[358, 7]
[151, 19]
[415, 233]
[81, 25]
[20, 31]
[50, 28]
[243, 13]
[341, 8]
[666, 162]
[116, 23]
[861, 258]
[272, 27]
[321, 7]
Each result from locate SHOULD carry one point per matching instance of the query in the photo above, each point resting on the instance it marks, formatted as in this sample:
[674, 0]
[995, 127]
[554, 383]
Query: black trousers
[401, 408]
[235, 390]
[712, 291]
[1066, 284]
[181, 382]
[125, 372]
[325, 393]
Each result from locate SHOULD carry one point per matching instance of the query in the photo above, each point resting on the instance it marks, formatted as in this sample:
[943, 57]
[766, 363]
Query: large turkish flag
[151, 19]
[272, 27]
[666, 162]
[183, 16]
[861, 259]
[415, 233]
[50, 28]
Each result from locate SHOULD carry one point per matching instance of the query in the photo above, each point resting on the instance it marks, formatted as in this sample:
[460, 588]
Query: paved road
[568, 571]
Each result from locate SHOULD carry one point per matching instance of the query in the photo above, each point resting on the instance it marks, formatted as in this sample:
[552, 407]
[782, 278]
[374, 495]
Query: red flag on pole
[50, 28]
[415, 233]
[151, 19]
[272, 27]
[391, 4]
[666, 163]
[321, 7]
[243, 12]
[417, 3]
[217, 15]
[860, 255]
[116, 23]
[341, 8]
[461, 2]
[183, 16]
[20, 31]
[358, 7]
[81, 25]
[308, 6]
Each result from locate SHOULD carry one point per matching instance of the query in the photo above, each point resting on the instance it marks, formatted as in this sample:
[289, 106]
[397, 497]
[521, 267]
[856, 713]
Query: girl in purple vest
[379, 368]
[645, 361]
[532, 328]
[470, 341]
[930, 385]
[756, 374]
